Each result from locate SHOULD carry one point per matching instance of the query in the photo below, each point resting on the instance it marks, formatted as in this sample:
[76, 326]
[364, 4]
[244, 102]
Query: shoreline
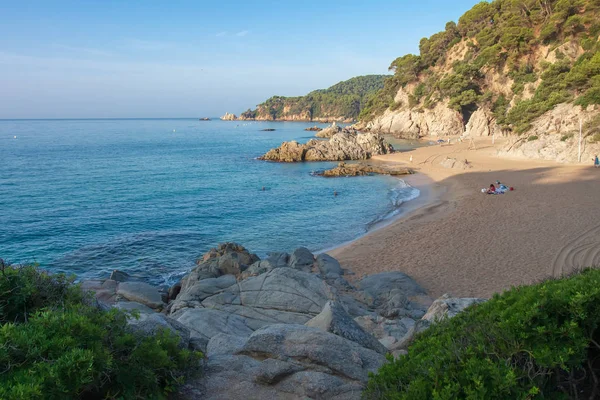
[468, 244]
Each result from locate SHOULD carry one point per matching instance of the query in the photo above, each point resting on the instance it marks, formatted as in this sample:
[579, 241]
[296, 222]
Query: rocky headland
[340, 147]
[288, 326]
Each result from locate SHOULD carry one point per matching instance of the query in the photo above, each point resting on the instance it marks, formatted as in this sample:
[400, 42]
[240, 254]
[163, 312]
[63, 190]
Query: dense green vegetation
[503, 36]
[532, 342]
[55, 345]
[342, 100]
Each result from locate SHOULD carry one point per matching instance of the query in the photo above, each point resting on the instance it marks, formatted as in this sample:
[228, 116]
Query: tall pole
[580, 137]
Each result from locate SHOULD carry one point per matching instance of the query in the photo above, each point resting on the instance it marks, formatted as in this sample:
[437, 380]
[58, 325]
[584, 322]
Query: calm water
[150, 196]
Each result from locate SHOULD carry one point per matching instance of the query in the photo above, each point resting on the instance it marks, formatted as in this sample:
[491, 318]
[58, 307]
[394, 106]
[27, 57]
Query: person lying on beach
[492, 189]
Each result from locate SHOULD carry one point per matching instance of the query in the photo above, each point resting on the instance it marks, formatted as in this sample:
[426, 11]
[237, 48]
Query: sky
[186, 58]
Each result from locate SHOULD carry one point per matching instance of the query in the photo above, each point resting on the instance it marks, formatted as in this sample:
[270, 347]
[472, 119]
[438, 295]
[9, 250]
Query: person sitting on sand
[492, 189]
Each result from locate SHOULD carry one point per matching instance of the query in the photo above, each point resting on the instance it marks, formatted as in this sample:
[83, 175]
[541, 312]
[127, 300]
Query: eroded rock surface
[342, 146]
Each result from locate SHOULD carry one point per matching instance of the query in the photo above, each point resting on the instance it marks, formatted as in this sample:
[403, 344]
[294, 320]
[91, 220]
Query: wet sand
[458, 240]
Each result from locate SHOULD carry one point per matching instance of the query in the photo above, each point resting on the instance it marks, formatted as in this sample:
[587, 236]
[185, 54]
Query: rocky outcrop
[361, 169]
[289, 326]
[329, 131]
[482, 123]
[229, 117]
[313, 129]
[555, 136]
[416, 123]
[342, 146]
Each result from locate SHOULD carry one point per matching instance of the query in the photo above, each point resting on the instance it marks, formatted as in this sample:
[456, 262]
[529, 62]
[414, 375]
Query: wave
[398, 195]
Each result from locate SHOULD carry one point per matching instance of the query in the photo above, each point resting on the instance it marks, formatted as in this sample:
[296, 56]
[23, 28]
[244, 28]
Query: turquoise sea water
[150, 196]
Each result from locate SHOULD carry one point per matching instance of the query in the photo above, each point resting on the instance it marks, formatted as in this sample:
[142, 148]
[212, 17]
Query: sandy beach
[457, 240]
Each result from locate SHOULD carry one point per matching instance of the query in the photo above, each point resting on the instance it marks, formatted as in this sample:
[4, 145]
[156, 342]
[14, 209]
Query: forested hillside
[342, 101]
[514, 59]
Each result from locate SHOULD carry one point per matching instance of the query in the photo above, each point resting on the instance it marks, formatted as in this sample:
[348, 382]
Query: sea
[150, 196]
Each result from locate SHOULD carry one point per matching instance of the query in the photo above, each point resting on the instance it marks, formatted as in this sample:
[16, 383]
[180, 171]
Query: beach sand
[460, 241]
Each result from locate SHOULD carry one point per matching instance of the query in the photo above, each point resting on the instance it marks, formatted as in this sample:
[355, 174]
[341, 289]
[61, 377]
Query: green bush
[566, 137]
[55, 345]
[531, 342]
[532, 138]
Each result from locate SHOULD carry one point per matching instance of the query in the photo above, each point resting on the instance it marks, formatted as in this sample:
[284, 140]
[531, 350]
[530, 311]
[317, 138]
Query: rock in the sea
[336, 320]
[362, 169]
[229, 117]
[342, 146]
[119, 276]
[313, 129]
[141, 292]
[329, 131]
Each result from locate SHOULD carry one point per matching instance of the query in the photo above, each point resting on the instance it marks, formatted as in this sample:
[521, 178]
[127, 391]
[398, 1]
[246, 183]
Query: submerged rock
[342, 146]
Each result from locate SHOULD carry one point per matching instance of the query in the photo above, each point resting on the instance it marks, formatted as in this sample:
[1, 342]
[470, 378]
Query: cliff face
[526, 68]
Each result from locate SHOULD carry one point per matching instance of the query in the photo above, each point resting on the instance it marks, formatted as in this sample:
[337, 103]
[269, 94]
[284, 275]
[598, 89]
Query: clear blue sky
[105, 58]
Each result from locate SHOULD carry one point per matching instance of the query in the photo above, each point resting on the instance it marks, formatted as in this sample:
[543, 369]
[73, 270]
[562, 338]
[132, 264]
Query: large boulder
[226, 259]
[312, 346]
[302, 259]
[284, 362]
[205, 323]
[336, 320]
[342, 146]
[282, 295]
[390, 294]
[141, 292]
[196, 291]
[329, 266]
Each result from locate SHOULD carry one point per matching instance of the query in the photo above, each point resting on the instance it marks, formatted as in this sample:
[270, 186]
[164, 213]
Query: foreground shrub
[68, 349]
[539, 341]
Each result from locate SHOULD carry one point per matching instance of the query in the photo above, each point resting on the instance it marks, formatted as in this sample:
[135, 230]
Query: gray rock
[141, 292]
[448, 307]
[272, 371]
[302, 259]
[382, 328]
[151, 323]
[223, 343]
[343, 357]
[329, 265]
[205, 323]
[134, 306]
[282, 295]
[336, 320]
[120, 276]
[378, 285]
[194, 293]
[275, 260]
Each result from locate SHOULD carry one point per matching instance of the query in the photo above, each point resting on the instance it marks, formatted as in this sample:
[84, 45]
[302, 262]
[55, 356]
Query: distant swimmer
[263, 189]
[335, 193]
